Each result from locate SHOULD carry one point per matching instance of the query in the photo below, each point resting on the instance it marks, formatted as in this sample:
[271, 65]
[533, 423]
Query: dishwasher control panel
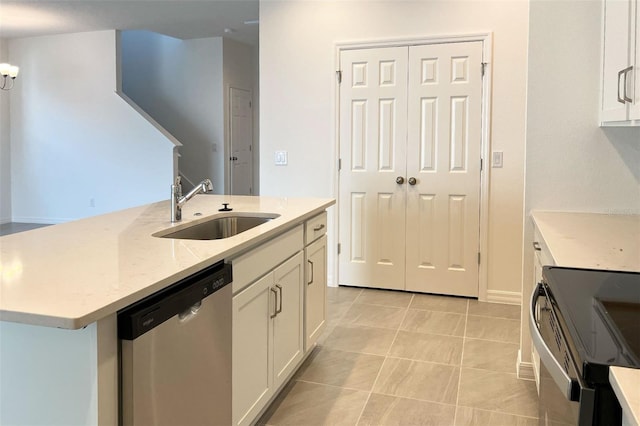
[150, 312]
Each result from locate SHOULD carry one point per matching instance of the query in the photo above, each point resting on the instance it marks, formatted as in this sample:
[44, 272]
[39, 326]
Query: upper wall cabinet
[620, 65]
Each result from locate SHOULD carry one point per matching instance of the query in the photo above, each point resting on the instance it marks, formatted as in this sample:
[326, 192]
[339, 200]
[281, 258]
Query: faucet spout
[178, 200]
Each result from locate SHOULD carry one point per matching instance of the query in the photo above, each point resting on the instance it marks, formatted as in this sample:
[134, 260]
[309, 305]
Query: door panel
[241, 136]
[315, 300]
[251, 348]
[444, 147]
[288, 335]
[373, 153]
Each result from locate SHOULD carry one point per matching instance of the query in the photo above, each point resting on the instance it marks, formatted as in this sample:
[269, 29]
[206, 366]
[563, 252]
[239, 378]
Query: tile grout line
[385, 360]
[464, 336]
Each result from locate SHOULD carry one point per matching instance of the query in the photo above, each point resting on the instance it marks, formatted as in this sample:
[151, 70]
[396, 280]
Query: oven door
[564, 399]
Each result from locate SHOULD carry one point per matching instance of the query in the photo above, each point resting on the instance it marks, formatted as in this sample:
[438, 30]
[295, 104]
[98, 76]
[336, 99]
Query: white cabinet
[620, 105]
[267, 337]
[316, 285]
[279, 311]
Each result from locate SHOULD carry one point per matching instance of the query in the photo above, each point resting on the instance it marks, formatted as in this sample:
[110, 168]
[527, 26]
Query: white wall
[571, 163]
[298, 99]
[5, 146]
[184, 85]
[179, 83]
[74, 142]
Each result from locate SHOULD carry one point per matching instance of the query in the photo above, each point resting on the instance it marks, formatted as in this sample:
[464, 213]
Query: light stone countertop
[626, 381]
[598, 241]
[591, 240]
[73, 274]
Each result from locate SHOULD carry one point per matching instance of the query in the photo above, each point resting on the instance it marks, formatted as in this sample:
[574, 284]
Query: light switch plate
[496, 159]
[281, 158]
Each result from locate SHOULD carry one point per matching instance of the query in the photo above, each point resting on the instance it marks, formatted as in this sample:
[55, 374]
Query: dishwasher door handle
[190, 312]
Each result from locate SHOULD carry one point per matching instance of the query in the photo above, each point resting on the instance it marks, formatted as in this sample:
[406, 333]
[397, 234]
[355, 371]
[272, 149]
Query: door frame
[487, 59]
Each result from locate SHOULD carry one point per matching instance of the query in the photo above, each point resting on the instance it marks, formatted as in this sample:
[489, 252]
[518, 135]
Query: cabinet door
[252, 343]
[616, 58]
[634, 109]
[287, 324]
[315, 288]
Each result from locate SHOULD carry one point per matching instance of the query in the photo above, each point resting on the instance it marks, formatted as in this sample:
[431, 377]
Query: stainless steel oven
[578, 332]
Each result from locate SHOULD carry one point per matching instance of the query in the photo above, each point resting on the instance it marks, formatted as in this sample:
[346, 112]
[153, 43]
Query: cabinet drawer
[254, 264]
[315, 228]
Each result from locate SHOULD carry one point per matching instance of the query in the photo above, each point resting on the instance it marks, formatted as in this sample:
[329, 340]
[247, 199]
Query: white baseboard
[525, 369]
[507, 297]
[41, 220]
[4, 220]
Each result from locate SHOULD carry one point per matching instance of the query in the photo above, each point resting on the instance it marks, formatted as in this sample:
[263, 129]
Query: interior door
[443, 156]
[373, 133]
[241, 138]
[411, 113]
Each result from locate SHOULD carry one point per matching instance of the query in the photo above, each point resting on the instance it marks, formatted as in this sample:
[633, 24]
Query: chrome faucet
[177, 200]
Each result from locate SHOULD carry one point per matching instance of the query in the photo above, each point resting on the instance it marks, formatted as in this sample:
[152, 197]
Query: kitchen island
[61, 288]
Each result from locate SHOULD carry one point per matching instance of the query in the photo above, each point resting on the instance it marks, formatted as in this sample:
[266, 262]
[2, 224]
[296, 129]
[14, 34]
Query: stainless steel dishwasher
[175, 353]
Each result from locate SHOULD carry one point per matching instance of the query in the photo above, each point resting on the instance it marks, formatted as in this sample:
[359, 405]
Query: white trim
[483, 270]
[435, 39]
[42, 220]
[4, 220]
[505, 297]
[524, 370]
[487, 57]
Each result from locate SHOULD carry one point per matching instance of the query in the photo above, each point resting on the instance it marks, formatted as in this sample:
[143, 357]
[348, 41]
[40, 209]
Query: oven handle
[562, 379]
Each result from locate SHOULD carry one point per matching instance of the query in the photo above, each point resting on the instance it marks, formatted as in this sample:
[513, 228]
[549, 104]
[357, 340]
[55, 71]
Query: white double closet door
[410, 147]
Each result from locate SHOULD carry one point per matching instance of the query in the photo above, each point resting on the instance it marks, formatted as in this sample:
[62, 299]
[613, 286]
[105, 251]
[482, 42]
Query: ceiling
[184, 19]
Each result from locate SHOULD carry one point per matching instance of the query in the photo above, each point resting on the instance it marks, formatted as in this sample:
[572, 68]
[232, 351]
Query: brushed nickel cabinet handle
[280, 290]
[399, 180]
[311, 263]
[626, 71]
[319, 228]
[275, 299]
[536, 246]
[412, 181]
[623, 73]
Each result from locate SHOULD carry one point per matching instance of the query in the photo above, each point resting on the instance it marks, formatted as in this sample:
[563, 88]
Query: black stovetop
[601, 310]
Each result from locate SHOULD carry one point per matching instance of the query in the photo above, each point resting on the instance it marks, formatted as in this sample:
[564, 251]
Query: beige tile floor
[395, 358]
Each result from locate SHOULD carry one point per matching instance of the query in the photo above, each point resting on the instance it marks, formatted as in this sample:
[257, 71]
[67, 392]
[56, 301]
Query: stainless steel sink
[217, 227]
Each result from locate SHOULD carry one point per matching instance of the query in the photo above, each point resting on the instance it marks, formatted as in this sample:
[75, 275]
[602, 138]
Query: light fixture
[9, 73]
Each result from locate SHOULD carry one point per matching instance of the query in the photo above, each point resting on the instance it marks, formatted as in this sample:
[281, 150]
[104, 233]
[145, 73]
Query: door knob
[399, 180]
[412, 181]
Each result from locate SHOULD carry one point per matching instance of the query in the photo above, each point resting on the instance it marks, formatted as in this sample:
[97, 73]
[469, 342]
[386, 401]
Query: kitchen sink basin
[217, 227]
